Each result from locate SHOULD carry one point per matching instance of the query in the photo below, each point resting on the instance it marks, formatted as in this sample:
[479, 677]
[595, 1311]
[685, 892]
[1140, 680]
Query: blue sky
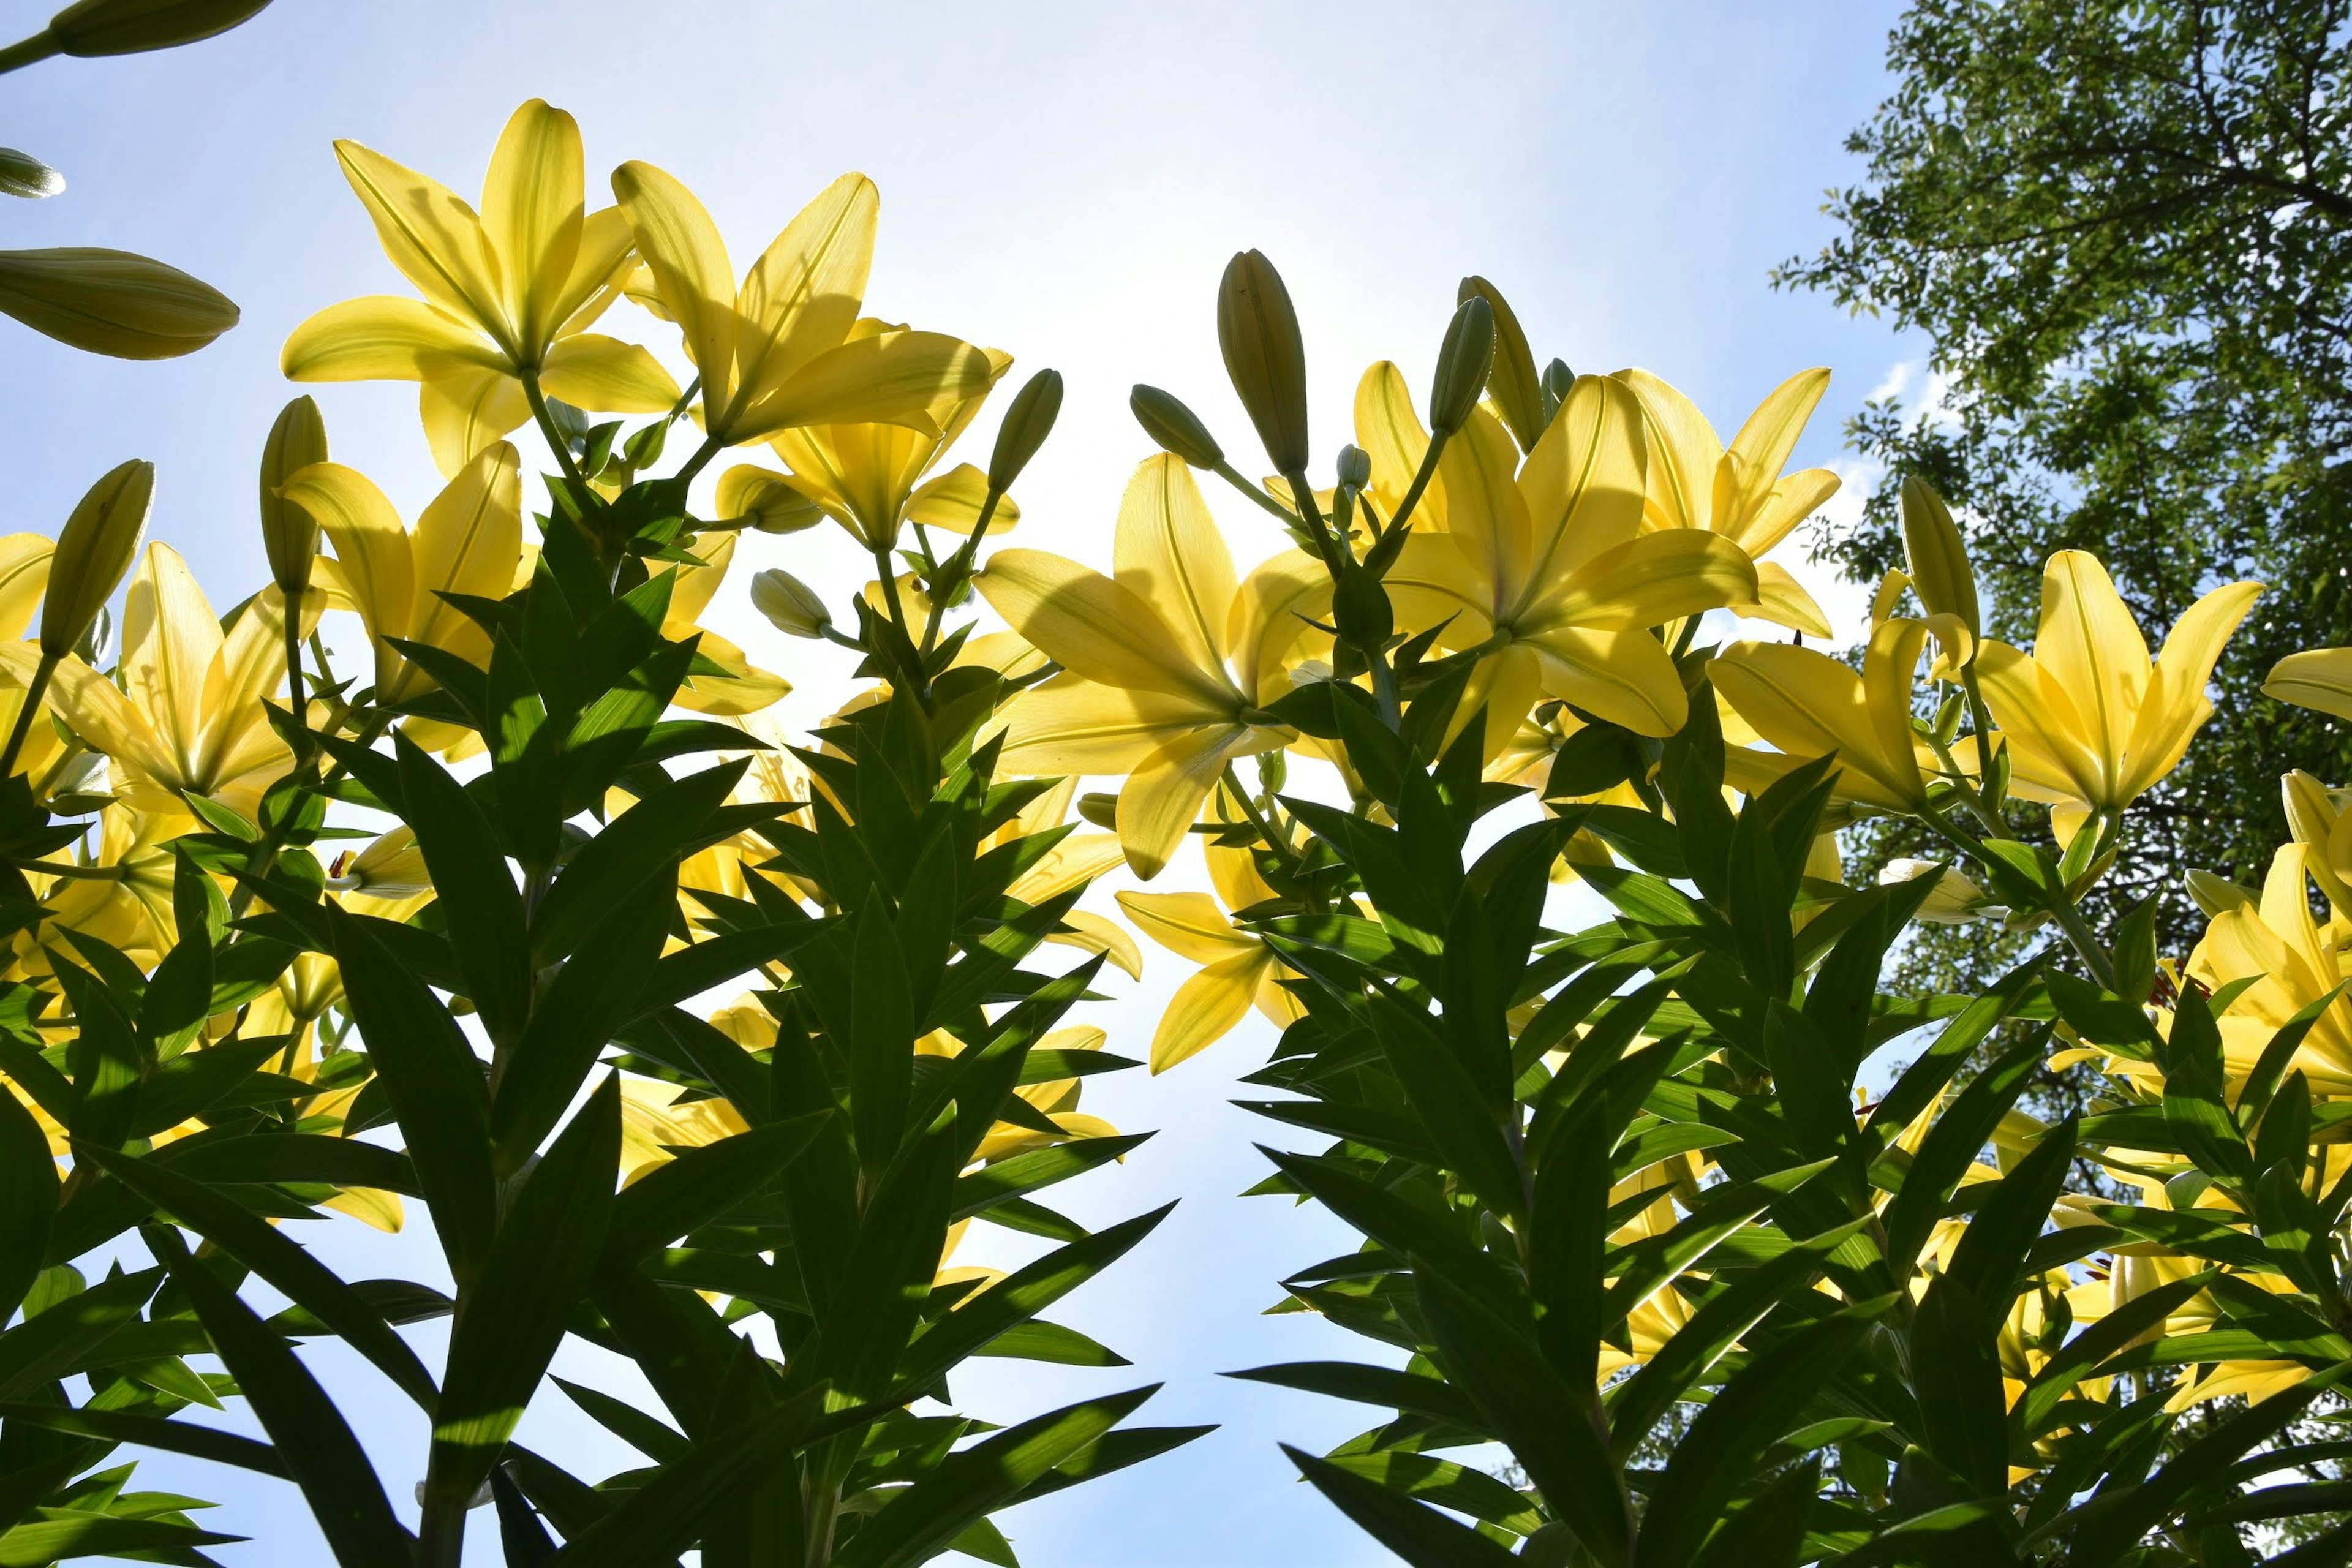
[1064, 182]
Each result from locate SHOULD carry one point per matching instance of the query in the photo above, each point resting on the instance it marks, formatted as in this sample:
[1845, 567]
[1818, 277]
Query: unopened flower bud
[1941, 573]
[288, 532]
[22, 174]
[1027, 423]
[1098, 808]
[1355, 467]
[1462, 365]
[1517, 385]
[135, 27]
[1264, 357]
[765, 500]
[94, 550]
[1558, 381]
[789, 603]
[112, 302]
[1175, 427]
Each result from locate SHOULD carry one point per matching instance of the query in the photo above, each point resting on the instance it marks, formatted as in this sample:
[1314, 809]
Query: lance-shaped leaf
[479, 901]
[1415, 1531]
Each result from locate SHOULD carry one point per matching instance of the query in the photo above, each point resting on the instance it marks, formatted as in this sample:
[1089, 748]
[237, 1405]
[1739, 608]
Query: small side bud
[1098, 808]
[764, 500]
[1558, 379]
[133, 26]
[789, 603]
[1355, 467]
[288, 532]
[1264, 357]
[94, 550]
[112, 302]
[1463, 362]
[22, 174]
[1176, 428]
[1516, 383]
[1941, 573]
[1026, 424]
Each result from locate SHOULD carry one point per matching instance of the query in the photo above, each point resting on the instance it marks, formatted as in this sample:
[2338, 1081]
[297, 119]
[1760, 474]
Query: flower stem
[35, 690]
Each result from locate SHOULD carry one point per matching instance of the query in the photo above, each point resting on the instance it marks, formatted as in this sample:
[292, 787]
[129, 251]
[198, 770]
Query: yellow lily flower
[468, 540]
[1238, 971]
[779, 354]
[1392, 436]
[1151, 654]
[2319, 678]
[2293, 962]
[1076, 860]
[128, 905]
[187, 718]
[745, 687]
[2092, 724]
[1551, 561]
[870, 478]
[1737, 491]
[1810, 705]
[2321, 820]
[508, 294]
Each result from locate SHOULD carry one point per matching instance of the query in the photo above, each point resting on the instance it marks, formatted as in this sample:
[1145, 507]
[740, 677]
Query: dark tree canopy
[2126, 228]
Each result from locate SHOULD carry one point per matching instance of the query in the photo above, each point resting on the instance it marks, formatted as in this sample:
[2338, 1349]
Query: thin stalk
[711, 447]
[296, 706]
[82, 873]
[27, 51]
[2052, 901]
[1226, 472]
[958, 565]
[1421, 477]
[1280, 843]
[35, 690]
[545, 420]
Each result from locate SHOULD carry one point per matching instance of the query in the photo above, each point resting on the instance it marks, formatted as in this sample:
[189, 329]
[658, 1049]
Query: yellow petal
[590, 371]
[1585, 483]
[1162, 798]
[434, 238]
[2176, 704]
[688, 260]
[743, 688]
[1684, 452]
[1094, 933]
[1763, 446]
[169, 641]
[1485, 515]
[2090, 646]
[1623, 676]
[1793, 500]
[1391, 436]
[1206, 1007]
[953, 500]
[2319, 679]
[600, 271]
[466, 542]
[1783, 601]
[1071, 725]
[383, 337]
[95, 709]
[1810, 705]
[1073, 863]
[1168, 553]
[533, 207]
[372, 549]
[915, 379]
[1099, 629]
[2050, 744]
[1649, 581]
[466, 411]
[1189, 925]
[1270, 613]
[803, 293]
[24, 578]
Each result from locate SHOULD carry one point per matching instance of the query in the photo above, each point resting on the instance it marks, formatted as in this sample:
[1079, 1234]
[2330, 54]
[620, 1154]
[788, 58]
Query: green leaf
[1720, 1452]
[29, 1176]
[1038, 1168]
[1415, 1531]
[663, 828]
[476, 893]
[697, 1187]
[1950, 1147]
[278, 1259]
[1956, 1372]
[52, 1343]
[2079, 1355]
[537, 1273]
[1039, 1341]
[1432, 1066]
[69, 1532]
[433, 1081]
[1992, 1249]
[971, 1483]
[522, 1539]
[1401, 1391]
[186, 1437]
[312, 1439]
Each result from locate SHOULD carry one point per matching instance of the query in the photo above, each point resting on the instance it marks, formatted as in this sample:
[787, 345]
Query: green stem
[84, 873]
[545, 420]
[958, 565]
[296, 706]
[26, 51]
[1226, 472]
[709, 448]
[2051, 901]
[1421, 477]
[1279, 843]
[35, 690]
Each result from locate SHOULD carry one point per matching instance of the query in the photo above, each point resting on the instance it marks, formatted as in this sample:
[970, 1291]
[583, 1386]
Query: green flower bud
[94, 550]
[1100, 808]
[1355, 467]
[1941, 573]
[791, 605]
[1517, 385]
[1558, 379]
[1026, 424]
[112, 302]
[288, 532]
[1264, 357]
[1175, 427]
[1462, 365]
[22, 174]
[763, 500]
[133, 26]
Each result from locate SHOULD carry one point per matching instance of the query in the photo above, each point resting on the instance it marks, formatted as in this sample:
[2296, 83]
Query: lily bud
[1098, 808]
[1516, 383]
[765, 500]
[1355, 467]
[94, 550]
[1264, 357]
[133, 26]
[1175, 427]
[112, 302]
[288, 532]
[1558, 381]
[789, 603]
[22, 174]
[1941, 573]
[1026, 424]
[1462, 365]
